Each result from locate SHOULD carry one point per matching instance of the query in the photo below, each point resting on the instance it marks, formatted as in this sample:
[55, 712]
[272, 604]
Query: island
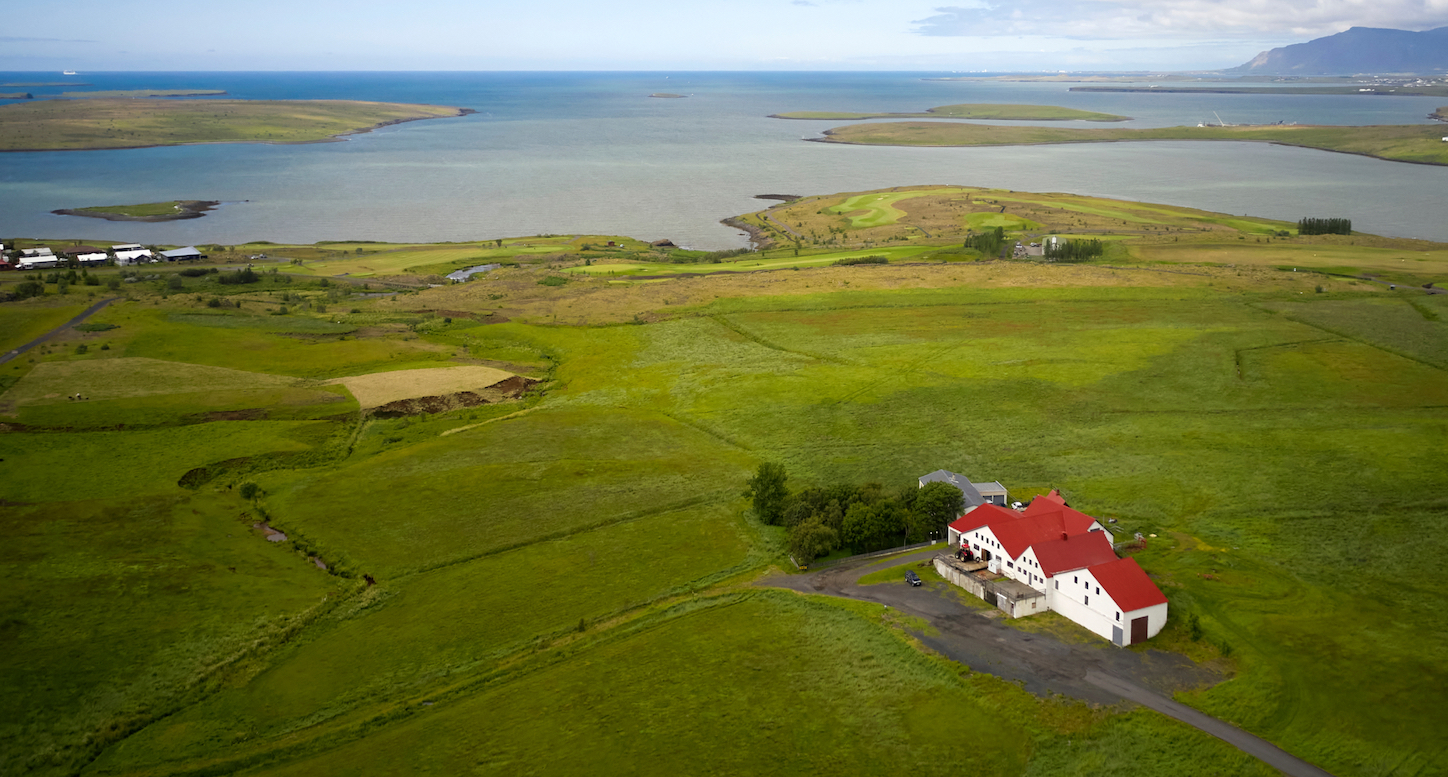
[55, 125]
[1001, 112]
[1441, 114]
[175, 210]
[16, 96]
[1417, 143]
[668, 95]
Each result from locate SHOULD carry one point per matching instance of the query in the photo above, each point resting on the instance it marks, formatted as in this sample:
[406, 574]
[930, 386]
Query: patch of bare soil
[512, 388]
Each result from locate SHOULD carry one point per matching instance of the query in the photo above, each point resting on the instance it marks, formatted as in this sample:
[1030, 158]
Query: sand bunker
[381, 388]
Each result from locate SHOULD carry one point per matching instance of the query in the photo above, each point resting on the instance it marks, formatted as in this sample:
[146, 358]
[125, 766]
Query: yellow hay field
[379, 388]
[132, 377]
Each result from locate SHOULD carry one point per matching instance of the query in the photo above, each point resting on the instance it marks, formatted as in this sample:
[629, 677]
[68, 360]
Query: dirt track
[1095, 672]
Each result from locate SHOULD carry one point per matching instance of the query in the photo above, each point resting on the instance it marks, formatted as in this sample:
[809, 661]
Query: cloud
[805, 3]
[8, 39]
[1117, 19]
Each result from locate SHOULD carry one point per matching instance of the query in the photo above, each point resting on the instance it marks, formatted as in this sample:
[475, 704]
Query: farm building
[186, 254]
[975, 493]
[1052, 557]
[37, 259]
[89, 256]
[131, 253]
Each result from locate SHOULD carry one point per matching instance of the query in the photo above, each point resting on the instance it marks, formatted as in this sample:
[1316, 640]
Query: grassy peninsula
[300, 526]
[1441, 114]
[51, 125]
[1003, 112]
[145, 93]
[1420, 143]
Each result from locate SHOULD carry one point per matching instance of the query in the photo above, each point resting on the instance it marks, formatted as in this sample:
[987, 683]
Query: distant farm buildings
[131, 253]
[1050, 557]
[975, 493]
[187, 254]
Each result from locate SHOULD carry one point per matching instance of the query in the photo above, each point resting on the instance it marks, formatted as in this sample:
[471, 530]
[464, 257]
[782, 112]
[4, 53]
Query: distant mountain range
[1358, 50]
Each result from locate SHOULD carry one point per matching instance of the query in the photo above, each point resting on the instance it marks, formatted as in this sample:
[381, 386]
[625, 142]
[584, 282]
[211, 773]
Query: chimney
[1064, 536]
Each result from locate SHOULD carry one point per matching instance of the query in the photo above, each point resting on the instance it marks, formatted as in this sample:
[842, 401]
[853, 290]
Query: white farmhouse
[131, 253]
[1051, 557]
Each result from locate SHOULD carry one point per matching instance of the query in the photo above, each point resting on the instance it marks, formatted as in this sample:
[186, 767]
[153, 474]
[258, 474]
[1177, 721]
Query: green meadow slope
[558, 579]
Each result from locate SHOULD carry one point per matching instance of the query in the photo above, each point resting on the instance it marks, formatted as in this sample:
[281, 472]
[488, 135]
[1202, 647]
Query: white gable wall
[1029, 571]
[1079, 596]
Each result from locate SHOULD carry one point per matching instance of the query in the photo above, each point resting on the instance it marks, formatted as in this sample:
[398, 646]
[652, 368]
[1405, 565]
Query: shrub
[214, 302]
[860, 260]
[553, 280]
[245, 275]
[82, 348]
[28, 289]
[195, 272]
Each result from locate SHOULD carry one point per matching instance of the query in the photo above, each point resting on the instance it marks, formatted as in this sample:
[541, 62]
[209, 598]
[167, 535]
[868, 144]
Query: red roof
[982, 515]
[1128, 584]
[1078, 552]
[1054, 496]
[1075, 521]
[1031, 530]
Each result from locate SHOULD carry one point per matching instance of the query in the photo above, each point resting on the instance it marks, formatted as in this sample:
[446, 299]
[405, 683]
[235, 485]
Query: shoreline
[188, 209]
[337, 138]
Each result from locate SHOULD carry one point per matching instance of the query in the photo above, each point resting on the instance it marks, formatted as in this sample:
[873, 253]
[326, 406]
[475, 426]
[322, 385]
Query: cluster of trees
[863, 518]
[849, 260]
[989, 242]
[1073, 250]
[244, 275]
[1324, 227]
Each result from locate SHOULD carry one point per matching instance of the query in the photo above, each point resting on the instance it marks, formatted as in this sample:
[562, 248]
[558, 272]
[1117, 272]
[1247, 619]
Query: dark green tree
[812, 539]
[768, 492]
[936, 505]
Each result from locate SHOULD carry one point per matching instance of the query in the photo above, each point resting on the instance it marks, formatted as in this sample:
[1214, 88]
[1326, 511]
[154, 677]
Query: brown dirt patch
[378, 389]
[512, 388]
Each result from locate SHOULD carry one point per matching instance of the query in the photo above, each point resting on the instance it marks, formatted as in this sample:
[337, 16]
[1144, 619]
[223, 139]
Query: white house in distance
[975, 493]
[1051, 557]
[131, 253]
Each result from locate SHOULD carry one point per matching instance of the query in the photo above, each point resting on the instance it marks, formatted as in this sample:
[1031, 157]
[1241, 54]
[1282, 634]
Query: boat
[68, 73]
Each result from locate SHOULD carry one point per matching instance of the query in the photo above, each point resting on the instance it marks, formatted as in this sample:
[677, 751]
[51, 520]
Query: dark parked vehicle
[911, 577]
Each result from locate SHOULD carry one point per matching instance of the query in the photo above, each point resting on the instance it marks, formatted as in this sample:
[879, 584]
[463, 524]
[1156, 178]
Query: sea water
[592, 153]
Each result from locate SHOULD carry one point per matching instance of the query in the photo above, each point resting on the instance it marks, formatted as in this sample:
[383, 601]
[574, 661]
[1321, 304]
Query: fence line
[875, 554]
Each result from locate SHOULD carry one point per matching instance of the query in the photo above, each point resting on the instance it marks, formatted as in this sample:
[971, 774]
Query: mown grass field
[1420, 143]
[125, 122]
[560, 582]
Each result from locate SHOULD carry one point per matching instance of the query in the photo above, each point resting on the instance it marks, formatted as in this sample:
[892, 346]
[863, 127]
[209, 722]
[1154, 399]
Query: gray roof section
[993, 487]
[972, 496]
[180, 252]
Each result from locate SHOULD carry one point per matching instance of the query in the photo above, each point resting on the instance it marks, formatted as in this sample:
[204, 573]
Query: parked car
[911, 577]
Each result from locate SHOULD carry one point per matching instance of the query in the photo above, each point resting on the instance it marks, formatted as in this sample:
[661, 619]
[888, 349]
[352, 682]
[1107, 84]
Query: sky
[965, 35]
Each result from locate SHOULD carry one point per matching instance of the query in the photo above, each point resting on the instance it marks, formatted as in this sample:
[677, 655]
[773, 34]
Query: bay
[592, 153]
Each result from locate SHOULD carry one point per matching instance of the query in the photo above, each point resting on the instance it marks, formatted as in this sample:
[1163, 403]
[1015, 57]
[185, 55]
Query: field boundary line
[627, 517]
[1237, 355]
[699, 426]
[1356, 339]
[507, 417]
[737, 328]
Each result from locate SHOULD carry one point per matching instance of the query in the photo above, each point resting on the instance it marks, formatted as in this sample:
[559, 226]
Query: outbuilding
[132, 253]
[187, 254]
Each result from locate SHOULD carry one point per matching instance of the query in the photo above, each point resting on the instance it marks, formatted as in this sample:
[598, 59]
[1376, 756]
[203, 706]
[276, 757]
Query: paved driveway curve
[52, 333]
[1094, 671]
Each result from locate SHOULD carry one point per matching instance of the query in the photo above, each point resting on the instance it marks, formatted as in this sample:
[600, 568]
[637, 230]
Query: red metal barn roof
[982, 515]
[1078, 552]
[1128, 584]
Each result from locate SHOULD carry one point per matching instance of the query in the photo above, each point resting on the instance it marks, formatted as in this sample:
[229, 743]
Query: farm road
[87, 313]
[1094, 672]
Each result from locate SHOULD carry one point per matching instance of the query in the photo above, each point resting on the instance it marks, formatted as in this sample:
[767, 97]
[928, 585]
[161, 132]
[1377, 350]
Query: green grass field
[561, 581]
